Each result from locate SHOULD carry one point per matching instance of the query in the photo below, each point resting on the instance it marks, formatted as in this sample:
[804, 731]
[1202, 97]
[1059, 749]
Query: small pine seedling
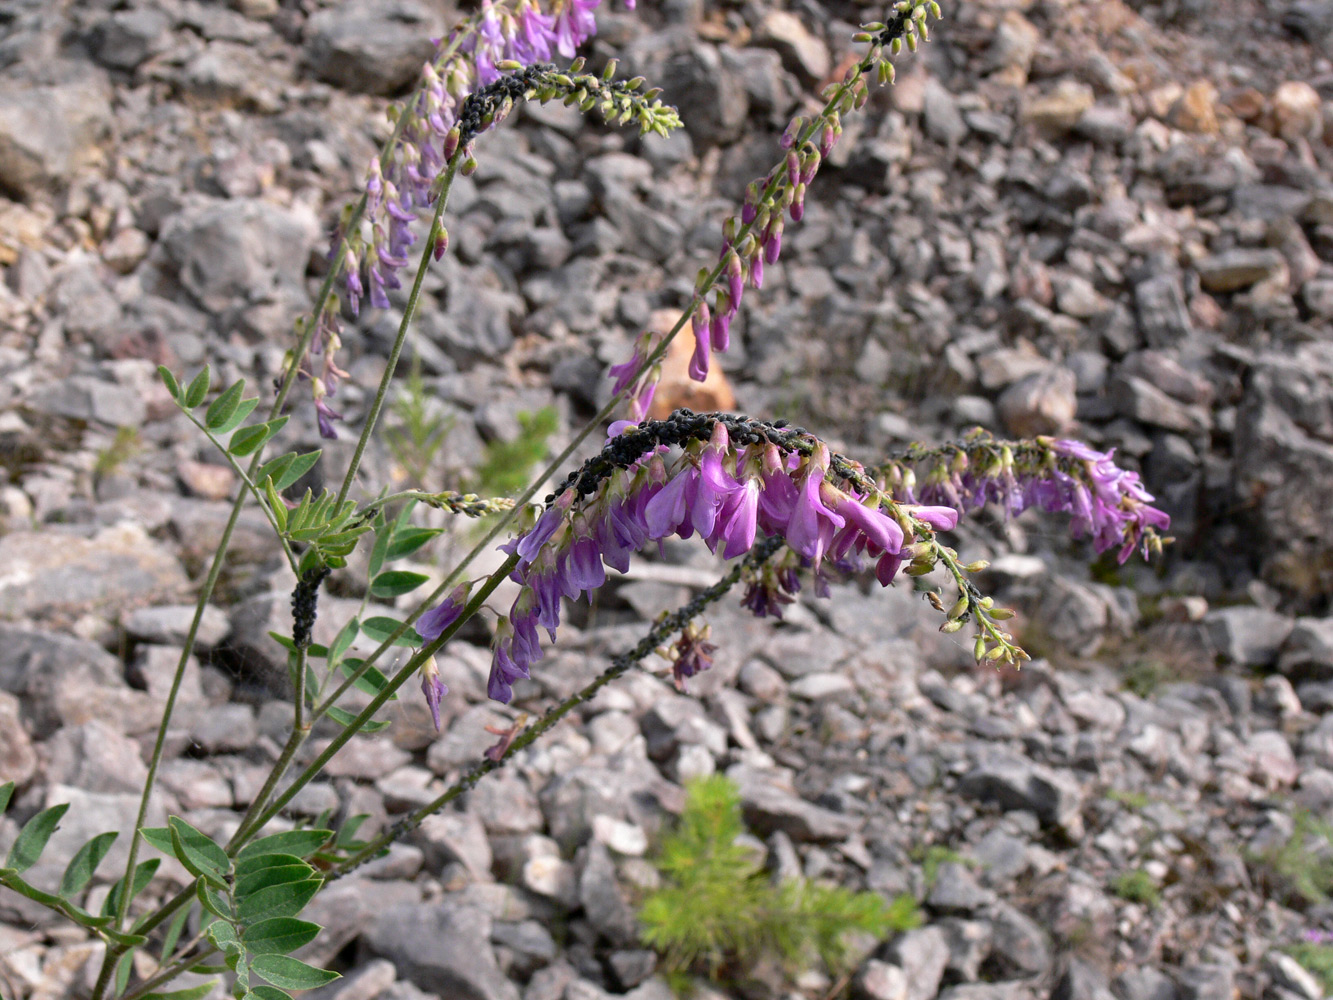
[508, 464]
[719, 914]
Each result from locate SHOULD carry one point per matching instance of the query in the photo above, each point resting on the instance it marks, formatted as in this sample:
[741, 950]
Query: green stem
[660, 632]
[390, 689]
[169, 973]
[556, 464]
[409, 314]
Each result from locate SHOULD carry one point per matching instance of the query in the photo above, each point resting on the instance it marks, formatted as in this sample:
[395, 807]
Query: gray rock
[529, 942]
[95, 757]
[676, 721]
[367, 982]
[196, 784]
[1080, 981]
[944, 122]
[1308, 651]
[228, 253]
[632, 967]
[1144, 983]
[627, 787]
[923, 955]
[1163, 316]
[1288, 974]
[956, 889]
[604, 902]
[458, 962]
[226, 729]
[48, 131]
[698, 78]
[1284, 463]
[126, 38]
[1207, 981]
[454, 836]
[969, 946]
[1236, 270]
[1248, 636]
[1044, 402]
[18, 759]
[85, 397]
[55, 677]
[1018, 945]
[347, 907]
[1014, 782]
[768, 806]
[169, 624]
[91, 813]
[1140, 400]
[372, 46]
[881, 981]
[801, 50]
[482, 331]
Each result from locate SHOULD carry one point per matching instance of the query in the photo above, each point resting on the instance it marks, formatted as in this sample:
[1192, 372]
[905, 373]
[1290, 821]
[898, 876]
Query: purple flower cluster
[400, 191]
[1106, 503]
[726, 495]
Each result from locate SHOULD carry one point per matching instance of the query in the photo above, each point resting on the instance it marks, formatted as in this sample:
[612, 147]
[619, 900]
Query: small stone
[169, 624]
[1207, 981]
[547, 874]
[1297, 112]
[1057, 113]
[944, 122]
[956, 890]
[18, 759]
[821, 685]
[459, 962]
[1042, 403]
[881, 981]
[1236, 270]
[452, 836]
[1081, 981]
[1019, 946]
[1248, 636]
[768, 807]
[922, 955]
[1196, 109]
[604, 901]
[800, 50]
[1308, 651]
[207, 480]
[624, 838]
[1145, 983]
[372, 46]
[1288, 974]
[96, 757]
[50, 131]
[1012, 48]
[1014, 782]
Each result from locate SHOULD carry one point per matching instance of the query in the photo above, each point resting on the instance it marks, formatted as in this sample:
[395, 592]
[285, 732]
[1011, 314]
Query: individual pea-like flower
[431, 625]
[690, 654]
[433, 688]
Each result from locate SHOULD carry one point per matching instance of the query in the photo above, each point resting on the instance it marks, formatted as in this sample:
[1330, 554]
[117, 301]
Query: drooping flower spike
[1105, 502]
[732, 481]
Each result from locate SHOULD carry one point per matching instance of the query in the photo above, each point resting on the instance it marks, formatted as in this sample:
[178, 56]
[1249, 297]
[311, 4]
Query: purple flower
[325, 415]
[431, 625]
[812, 524]
[433, 688]
[574, 24]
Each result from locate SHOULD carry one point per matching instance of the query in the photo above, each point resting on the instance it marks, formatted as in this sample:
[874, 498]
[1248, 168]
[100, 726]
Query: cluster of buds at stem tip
[401, 183]
[733, 481]
[1105, 502]
[753, 239]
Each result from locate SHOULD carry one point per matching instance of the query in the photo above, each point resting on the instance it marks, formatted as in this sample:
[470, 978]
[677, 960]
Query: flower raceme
[728, 494]
[1105, 502]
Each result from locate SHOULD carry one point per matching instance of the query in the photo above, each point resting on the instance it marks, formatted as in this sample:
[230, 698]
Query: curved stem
[660, 631]
[409, 314]
[397, 681]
